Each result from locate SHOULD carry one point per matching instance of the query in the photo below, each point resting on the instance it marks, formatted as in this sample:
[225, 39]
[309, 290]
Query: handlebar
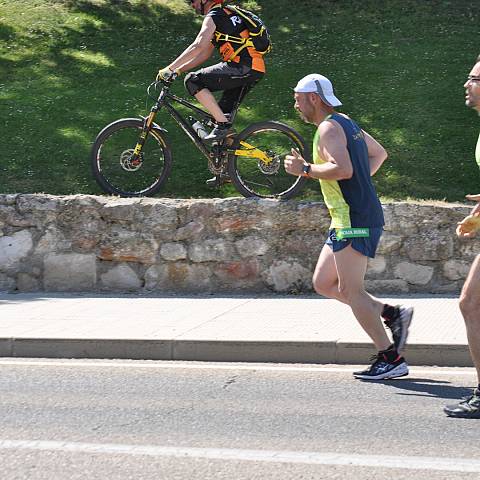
[164, 83]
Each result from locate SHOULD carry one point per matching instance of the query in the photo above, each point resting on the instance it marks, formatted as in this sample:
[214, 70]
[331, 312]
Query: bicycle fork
[147, 126]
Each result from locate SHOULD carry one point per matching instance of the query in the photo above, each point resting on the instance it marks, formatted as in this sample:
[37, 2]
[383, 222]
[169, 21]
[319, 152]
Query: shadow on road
[426, 387]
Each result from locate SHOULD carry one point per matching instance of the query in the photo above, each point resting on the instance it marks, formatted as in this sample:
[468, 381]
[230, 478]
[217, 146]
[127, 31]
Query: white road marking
[279, 456]
[222, 366]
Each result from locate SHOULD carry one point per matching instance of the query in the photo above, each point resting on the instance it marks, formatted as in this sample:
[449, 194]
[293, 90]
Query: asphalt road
[166, 420]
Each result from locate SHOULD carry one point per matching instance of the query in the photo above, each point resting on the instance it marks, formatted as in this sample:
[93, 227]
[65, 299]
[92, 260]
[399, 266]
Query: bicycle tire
[254, 178]
[110, 161]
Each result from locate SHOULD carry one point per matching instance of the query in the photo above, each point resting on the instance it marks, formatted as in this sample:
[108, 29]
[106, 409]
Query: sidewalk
[299, 329]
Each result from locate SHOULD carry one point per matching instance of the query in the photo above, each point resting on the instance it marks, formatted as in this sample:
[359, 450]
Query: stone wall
[88, 243]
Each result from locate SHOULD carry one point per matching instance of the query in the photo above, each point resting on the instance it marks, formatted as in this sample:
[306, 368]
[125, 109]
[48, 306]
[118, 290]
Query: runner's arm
[376, 153]
[199, 51]
[332, 147]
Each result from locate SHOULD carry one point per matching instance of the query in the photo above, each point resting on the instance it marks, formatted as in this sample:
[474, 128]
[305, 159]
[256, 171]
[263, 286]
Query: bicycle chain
[216, 170]
[218, 161]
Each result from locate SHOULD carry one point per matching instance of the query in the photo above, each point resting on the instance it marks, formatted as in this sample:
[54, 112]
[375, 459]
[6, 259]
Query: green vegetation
[69, 67]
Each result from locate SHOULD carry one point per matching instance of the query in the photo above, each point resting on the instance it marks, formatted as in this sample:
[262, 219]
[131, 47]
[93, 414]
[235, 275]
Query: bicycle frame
[165, 100]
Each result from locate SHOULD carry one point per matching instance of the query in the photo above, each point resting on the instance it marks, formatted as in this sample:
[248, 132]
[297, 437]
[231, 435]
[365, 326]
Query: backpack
[258, 38]
[257, 29]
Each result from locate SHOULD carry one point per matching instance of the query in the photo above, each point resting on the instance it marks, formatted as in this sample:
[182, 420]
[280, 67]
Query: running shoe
[468, 408]
[381, 369]
[399, 325]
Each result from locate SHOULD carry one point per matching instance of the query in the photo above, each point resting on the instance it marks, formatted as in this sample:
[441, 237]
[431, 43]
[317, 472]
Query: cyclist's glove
[167, 75]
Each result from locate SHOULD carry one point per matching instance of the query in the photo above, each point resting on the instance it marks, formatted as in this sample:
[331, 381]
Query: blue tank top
[352, 202]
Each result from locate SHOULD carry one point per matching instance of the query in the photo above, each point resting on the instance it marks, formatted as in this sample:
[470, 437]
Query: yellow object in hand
[468, 226]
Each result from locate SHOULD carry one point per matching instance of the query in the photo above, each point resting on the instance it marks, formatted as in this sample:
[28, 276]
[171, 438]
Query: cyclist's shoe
[381, 369]
[468, 408]
[399, 324]
[218, 181]
[220, 132]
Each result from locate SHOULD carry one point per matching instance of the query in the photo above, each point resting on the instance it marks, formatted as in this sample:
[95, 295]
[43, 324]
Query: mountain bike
[131, 157]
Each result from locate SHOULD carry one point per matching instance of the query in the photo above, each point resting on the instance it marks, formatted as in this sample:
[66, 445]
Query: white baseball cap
[322, 86]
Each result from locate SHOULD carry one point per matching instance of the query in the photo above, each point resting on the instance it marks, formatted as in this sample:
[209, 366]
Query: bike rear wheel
[256, 168]
[112, 159]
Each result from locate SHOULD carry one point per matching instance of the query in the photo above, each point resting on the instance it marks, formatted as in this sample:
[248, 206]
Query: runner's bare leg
[470, 308]
[341, 276]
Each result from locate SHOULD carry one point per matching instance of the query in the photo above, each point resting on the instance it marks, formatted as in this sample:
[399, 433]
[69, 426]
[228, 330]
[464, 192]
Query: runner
[345, 158]
[470, 296]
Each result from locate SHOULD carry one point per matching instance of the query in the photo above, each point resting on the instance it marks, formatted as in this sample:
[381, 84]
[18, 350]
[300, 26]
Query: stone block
[179, 277]
[156, 275]
[38, 203]
[121, 245]
[200, 211]
[121, 278]
[189, 278]
[121, 209]
[237, 225]
[431, 245]
[7, 284]
[240, 274]
[53, 241]
[70, 272]
[251, 246]
[288, 276]
[9, 216]
[456, 269]
[376, 265]
[413, 273]
[210, 251]
[190, 231]
[27, 283]
[389, 243]
[173, 251]
[159, 217]
[14, 248]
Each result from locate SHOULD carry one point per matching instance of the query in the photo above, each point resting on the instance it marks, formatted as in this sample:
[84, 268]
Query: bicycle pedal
[218, 181]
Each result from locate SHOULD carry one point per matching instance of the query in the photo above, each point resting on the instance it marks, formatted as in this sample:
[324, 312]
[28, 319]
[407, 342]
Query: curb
[331, 352]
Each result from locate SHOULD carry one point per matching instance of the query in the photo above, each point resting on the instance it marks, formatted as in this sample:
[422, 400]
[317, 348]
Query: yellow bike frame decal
[253, 152]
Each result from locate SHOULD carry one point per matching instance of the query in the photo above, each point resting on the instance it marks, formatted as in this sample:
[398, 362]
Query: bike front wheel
[118, 171]
[256, 166]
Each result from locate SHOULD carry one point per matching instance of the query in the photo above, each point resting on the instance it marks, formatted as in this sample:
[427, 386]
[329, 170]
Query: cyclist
[241, 67]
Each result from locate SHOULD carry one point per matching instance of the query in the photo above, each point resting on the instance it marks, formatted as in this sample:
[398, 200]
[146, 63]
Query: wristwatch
[306, 169]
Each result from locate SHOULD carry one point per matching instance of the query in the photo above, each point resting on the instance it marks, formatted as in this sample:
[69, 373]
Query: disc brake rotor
[272, 167]
[127, 162]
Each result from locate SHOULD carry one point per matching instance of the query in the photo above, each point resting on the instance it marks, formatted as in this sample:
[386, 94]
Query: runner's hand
[468, 226]
[294, 163]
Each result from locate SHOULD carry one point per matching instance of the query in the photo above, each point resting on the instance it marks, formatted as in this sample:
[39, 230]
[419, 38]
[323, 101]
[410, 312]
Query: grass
[69, 67]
